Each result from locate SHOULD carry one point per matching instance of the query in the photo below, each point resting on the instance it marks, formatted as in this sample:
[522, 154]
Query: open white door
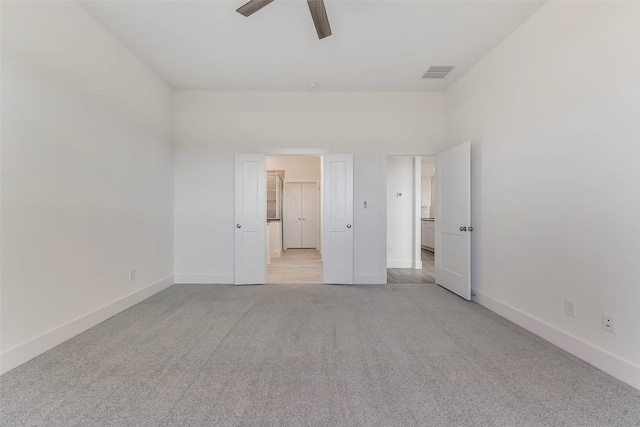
[250, 219]
[453, 220]
[338, 218]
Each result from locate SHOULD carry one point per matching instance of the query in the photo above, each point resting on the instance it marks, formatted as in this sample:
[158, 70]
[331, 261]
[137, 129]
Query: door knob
[348, 225]
[463, 228]
[238, 226]
[299, 219]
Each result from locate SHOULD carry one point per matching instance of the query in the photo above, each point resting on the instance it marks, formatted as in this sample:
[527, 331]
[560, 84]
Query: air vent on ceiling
[437, 71]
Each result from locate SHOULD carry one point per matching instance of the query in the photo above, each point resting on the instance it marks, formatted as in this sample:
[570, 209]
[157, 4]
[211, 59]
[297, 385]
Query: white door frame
[383, 198]
[321, 152]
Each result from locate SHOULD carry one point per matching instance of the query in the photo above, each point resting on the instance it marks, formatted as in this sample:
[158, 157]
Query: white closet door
[292, 215]
[310, 202]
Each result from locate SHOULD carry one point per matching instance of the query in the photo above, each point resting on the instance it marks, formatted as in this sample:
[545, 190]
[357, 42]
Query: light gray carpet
[316, 355]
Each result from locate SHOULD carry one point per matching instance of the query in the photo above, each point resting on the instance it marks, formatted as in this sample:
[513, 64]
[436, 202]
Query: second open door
[453, 220]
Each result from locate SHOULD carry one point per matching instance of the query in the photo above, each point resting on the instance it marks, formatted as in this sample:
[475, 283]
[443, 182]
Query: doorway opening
[294, 219]
[410, 219]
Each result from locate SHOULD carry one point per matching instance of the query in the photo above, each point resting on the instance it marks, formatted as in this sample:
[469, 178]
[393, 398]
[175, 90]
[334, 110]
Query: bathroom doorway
[410, 219]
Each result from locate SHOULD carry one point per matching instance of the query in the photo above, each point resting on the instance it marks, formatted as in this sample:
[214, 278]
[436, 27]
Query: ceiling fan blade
[252, 6]
[320, 19]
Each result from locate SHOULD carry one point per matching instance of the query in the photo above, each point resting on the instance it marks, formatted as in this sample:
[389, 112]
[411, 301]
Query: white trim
[204, 279]
[295, 151]
[601, 359]
[400, 263]
[370, 279]
[417, 213]
[27, 350]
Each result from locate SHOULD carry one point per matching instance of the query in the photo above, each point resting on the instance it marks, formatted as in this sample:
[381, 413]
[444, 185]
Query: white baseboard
[417, 265]
[223, 279]
[275, 254]
[204, 279]
[399, 263]
[26, 351]
[601, 359]
[370, 279]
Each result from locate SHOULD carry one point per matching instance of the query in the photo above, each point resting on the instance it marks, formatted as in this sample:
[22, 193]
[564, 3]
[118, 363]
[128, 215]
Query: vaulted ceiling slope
[376, 45]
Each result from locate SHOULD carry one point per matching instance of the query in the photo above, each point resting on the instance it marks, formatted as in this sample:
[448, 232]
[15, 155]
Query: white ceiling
[376, 45]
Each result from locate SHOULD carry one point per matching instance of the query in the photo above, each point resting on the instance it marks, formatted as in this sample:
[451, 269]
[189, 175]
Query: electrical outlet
[569, 308]
[609, 322]
[132, 275]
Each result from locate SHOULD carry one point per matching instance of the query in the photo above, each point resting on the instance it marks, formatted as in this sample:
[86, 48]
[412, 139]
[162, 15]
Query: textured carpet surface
[311, 355]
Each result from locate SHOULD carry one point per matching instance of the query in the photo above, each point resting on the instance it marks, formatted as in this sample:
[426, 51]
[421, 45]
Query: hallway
[411, 275]
[296, 266]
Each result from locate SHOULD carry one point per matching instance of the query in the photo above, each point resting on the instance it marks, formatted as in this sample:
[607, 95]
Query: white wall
[210, 127]
[297, 168]
[400, 212]
[554, 117]
[428, 165]
[87, 177]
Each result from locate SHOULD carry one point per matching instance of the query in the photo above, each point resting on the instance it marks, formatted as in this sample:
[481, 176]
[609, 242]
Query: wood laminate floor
[412, 275]
[305, 266]
[296, 266]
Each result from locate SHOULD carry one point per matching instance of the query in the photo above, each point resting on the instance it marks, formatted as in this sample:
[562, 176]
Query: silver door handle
[238, 226]
[348, 225]
[463, 228]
